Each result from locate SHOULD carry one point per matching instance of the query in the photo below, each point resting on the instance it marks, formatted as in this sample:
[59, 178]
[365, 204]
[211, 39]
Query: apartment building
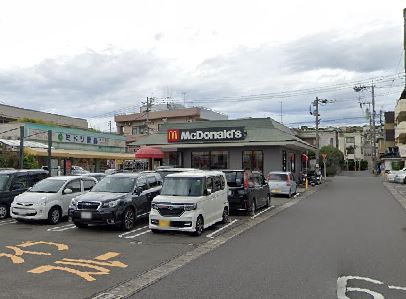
[400, 122]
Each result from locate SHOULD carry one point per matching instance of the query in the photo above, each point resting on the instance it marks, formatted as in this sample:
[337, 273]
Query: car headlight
[111, 204]
[190, 206]
[43, 201]
[73, 202]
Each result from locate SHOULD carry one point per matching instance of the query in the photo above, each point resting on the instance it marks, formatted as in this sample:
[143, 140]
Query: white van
[190, 201]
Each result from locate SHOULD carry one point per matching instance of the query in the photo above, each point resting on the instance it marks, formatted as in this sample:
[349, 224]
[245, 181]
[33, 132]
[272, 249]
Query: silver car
[282, 183]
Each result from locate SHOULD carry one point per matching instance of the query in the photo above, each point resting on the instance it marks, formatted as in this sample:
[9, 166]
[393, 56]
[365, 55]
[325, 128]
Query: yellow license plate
[164, 223]
[276, 190]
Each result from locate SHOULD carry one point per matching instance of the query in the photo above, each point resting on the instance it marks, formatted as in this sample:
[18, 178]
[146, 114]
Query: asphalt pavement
[346, 241]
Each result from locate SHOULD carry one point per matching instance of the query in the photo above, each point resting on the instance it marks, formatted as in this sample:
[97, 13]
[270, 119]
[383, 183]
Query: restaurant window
[253, 160]
[210, 160]
[219, 160]
[201, 160]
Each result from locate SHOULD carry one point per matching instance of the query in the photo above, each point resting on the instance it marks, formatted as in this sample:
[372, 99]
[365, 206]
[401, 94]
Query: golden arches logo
[173, 135]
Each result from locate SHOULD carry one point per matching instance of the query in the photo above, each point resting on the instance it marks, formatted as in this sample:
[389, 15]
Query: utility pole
[21, 147]
[49, 152]
[316, 113]
[110, 125]
[149, 107]
[281, 113]
[361, 88]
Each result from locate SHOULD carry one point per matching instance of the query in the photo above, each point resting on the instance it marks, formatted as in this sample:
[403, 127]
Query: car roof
[65, 177]
[280, 172]
[195, 174]
[179, 169]
[125, 174]
[15, 171]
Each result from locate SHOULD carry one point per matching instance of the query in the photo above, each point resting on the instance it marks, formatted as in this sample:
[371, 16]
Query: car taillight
[288, 183]
[245, 181]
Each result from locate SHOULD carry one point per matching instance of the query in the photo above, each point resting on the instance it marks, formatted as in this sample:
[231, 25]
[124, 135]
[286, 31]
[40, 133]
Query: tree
[335, 159]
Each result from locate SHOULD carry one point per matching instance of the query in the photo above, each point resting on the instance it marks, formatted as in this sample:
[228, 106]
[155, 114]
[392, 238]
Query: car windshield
[182, 187]
[3, 182]
[48, 186]
[115, 185]
[234, 178]
[278, 177]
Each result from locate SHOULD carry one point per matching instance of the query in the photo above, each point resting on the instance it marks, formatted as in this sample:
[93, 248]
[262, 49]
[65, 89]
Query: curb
[399, 197]
[142, 281]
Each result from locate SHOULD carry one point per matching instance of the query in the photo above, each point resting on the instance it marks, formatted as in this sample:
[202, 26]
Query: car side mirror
[67, 191]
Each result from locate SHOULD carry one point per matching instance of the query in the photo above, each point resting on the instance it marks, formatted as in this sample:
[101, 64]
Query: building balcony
[400, 111]
[400, 132]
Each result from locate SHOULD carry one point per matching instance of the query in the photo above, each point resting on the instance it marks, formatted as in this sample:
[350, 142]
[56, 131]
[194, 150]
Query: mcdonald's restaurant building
[255, 143]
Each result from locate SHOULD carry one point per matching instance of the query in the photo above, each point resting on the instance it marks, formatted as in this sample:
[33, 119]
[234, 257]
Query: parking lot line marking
[137, 235]
[8, 222]
[60, 227]
[132, 231]
[267, 209]
[221, 228]
[63, 229]
[397, 288]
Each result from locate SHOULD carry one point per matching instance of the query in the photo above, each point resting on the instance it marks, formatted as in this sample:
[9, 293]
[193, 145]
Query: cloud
[99, 83]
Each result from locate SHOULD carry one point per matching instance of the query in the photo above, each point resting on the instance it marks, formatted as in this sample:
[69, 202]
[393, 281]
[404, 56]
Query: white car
[190, 201]
[390, 177]
[49, 199]
[282, 183]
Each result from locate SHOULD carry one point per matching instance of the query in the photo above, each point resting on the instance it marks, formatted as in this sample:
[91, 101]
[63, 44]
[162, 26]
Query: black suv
[247, 191]
[15, 182]
[118, 199]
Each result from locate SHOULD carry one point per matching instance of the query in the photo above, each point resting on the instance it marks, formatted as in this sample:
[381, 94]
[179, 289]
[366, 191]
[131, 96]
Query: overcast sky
[93, 58]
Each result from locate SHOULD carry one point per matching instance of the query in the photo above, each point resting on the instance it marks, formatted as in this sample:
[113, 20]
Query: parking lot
[48, 260]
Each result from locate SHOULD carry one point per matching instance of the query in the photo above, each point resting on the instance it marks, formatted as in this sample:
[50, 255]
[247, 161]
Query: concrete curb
[152, 276]
[399, 197]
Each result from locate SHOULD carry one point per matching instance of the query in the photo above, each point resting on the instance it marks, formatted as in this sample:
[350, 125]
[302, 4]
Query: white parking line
[9, 221]
[267, 209]
[61, 228]
[137, 235]
[132, 231]
[221, 228]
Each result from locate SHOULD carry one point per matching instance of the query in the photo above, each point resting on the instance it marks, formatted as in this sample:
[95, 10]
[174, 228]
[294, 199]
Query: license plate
[276, 190]
[164, 223]
[86, 215]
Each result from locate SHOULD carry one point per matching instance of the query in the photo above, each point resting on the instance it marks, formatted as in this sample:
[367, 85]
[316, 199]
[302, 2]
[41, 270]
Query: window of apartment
[350, 150]
[331, 141]
[349, 139]
[120, 130]
[253, 160]
[139, 130]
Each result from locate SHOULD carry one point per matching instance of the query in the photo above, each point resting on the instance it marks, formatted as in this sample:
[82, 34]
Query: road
[352, 233]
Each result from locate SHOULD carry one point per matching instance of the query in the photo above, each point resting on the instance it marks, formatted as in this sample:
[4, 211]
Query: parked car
[165, 171]
[390, 177]
[282, 182]
[190, 201]
[77, 170]
[15, 182]
[96, 175]
[118, 199]
[49, 199]
[247, 191]
[400, 178]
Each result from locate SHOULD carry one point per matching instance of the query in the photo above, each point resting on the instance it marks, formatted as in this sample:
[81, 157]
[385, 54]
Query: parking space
[49, 260]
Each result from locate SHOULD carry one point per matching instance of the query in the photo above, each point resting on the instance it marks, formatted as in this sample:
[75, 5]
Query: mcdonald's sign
[173, 135]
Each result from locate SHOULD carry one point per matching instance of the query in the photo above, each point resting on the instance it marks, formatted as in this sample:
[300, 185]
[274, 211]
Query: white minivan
[190, 201]
[49, 199]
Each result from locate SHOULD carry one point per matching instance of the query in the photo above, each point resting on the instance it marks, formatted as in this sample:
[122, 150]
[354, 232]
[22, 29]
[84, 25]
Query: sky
[97, 58]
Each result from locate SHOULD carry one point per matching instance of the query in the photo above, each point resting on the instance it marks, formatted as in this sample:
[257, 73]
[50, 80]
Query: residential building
[137, 125]
[327, 136]
[12, 114]
[400, 121]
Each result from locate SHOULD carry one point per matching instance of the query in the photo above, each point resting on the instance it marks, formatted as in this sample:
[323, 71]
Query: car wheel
[199, 226]
[226, 216]
[3, 211]
[253, 208]
[128, 220]
[80, 225]
[54, 215]
[268, 201]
